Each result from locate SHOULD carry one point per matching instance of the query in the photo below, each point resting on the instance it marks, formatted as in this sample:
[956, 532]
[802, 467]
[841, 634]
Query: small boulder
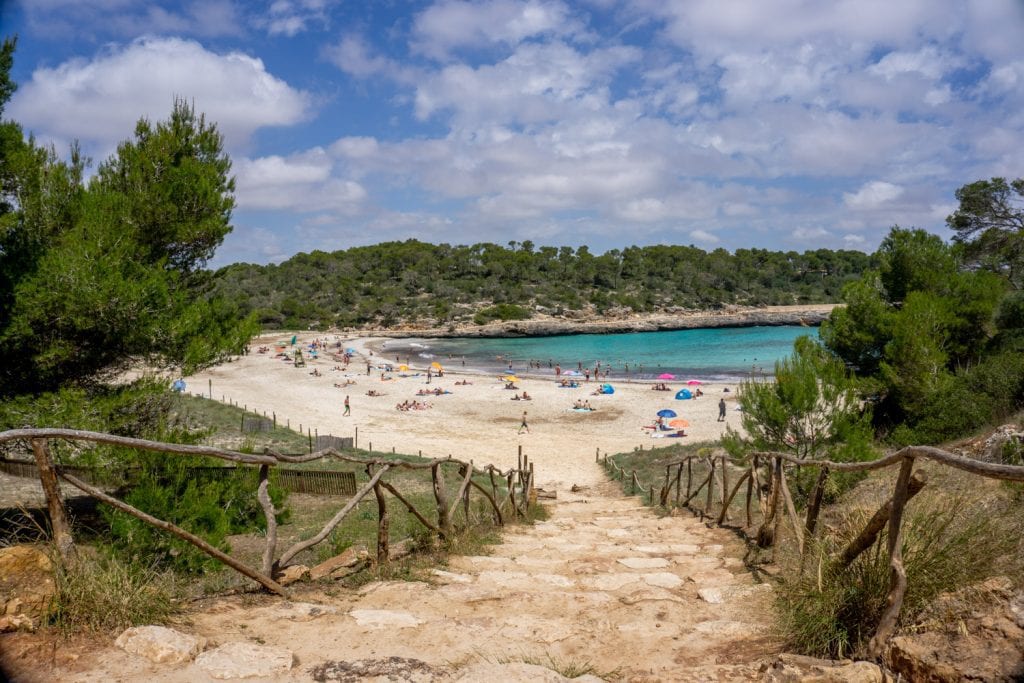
[160, 644]
[245, 660]
[291, 574]
[346, 560]
[27, 586]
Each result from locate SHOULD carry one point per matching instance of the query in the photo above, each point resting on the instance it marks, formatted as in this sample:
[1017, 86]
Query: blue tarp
[179, 385]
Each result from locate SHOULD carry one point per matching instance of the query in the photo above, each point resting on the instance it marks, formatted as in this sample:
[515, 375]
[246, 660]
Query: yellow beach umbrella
[510, 378]
[403, 368]
[436, 365]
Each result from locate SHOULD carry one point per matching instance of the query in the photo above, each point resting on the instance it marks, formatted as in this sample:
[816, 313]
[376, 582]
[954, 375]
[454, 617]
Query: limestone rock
[516, 672]
[15, 622]
[26, 581]
[291, 574]
[383, 670]
[346, 560]
[796, 669]
[382, 618]
[304, 611]
[244, 660]
[159, 644]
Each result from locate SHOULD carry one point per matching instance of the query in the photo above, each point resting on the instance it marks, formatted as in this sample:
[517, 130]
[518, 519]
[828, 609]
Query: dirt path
[603, 584]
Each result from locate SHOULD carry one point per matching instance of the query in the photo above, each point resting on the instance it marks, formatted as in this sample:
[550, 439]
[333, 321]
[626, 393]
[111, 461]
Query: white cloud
[453, 24]
[703, 237]
[854, 241]
[809, 234]
[207, 18]
[303, 182]
[872, 195]
[109, 93]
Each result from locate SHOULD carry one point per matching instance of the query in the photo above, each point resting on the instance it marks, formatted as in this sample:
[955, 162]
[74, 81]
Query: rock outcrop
[27, 587]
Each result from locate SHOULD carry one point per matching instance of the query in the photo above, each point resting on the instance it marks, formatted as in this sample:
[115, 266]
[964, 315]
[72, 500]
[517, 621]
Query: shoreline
[476, 417]
[732, 316]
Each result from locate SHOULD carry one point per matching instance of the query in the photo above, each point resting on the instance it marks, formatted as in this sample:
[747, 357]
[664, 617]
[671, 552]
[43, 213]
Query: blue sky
[783, 124]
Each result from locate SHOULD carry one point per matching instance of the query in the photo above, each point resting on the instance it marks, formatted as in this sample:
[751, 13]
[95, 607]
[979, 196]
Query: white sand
[478, 422]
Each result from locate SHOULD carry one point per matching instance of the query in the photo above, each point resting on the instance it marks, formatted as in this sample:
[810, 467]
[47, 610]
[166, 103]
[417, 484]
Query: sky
[778, 124]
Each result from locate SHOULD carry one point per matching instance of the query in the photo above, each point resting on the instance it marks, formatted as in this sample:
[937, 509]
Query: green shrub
[500, 312]
[171, 488]
[947, 544]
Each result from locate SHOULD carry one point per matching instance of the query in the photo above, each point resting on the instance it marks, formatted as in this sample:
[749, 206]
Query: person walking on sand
[721, 410]
[348, 408]
[523, 425]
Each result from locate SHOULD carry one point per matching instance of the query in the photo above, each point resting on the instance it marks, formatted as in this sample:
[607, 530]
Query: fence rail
[765, 475]
[514, 495]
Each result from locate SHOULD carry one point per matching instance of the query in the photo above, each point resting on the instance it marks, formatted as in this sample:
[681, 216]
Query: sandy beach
[478, 421]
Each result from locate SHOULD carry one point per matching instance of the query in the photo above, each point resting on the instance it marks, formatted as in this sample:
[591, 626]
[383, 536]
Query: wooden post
[750, 487]
[766, 533]
[383, 525]
[814, 505]
[689, 476]
[866, 538]
[443, 521]
[210, 385]
[59, 525]
[355, 441]
[275, 420]
[711, 488]
[725, 489]
[897, 572]
[263, 495]
[597, 455]
[679, 481]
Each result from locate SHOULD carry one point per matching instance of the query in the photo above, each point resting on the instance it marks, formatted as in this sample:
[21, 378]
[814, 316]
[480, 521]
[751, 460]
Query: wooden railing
[513, 495]
[772, 492]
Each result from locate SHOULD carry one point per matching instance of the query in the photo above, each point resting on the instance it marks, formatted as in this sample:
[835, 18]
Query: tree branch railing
[516, 501]
[772, 492]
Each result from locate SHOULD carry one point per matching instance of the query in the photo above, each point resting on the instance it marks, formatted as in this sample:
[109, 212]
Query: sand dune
[477, 422]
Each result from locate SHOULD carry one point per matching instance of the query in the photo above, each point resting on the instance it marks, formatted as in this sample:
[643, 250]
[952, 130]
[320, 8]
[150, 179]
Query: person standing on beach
[523, 425]
[721, 410]
[348, 408]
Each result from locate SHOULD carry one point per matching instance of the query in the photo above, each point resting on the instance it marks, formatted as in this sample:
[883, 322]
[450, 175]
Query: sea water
[709, 354]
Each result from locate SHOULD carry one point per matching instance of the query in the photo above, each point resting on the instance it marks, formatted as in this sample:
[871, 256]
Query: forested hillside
[412, 281]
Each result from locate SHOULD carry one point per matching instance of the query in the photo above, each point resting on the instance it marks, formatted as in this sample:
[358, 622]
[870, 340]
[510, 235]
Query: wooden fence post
[897, 572]
[263, 495]
[443, 522]
[383, 525]
[59, 525]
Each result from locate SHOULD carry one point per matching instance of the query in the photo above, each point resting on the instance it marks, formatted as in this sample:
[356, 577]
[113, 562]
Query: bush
[946, 545]
[500, 312]
[211, 507]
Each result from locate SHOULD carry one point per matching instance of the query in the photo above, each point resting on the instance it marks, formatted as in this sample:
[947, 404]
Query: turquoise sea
[707, 354]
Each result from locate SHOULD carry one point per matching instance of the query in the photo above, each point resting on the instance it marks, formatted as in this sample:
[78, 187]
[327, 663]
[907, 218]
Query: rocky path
[603, 585]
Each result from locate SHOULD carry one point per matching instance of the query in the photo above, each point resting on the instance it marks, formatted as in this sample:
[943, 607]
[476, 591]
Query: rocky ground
[604, 586]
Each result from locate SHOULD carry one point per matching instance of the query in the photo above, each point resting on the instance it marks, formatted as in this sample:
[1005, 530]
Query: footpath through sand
[603, 582]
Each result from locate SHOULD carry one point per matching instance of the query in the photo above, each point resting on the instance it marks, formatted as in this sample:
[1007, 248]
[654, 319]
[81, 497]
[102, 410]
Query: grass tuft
[102, 593]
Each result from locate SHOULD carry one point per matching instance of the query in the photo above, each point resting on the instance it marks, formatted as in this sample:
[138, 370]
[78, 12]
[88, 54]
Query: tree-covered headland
[398, 283]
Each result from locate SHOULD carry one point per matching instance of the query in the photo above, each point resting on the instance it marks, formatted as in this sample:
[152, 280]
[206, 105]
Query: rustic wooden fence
[511, 492]
[317, 482]
[765, 478]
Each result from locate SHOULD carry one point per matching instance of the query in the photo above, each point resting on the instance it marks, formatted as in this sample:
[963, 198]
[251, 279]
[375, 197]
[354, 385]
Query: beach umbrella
[683, 394]
[510, 378]
[678, 422]
[436, 365]
[179, 385]
[666, 412]
[607, 388]
[350, 350]
[694, 382]
[403, 368]
[666, 375]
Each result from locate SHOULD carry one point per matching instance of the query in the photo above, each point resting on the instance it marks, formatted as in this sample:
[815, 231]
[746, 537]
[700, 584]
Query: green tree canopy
[94, 274]
[989, 223]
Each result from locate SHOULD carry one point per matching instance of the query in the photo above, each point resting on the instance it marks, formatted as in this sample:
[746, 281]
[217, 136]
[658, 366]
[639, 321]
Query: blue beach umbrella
[666, 412]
